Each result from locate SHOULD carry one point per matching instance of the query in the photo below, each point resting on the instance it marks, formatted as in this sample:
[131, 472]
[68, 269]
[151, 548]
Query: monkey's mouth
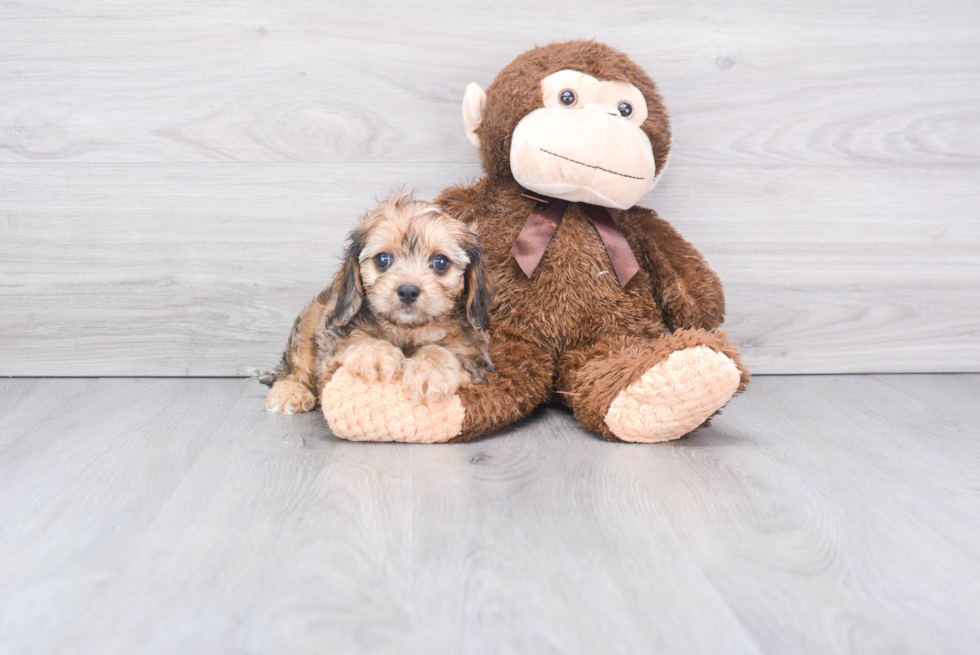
[582, 163]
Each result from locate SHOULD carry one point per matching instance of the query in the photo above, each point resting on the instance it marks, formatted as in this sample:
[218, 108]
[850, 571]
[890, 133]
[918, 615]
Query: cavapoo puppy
[409, 302]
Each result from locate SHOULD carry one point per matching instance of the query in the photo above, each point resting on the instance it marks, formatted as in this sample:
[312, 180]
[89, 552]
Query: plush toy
[600, 303]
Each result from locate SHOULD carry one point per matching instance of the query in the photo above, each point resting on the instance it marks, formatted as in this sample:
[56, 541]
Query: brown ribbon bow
[543, 222]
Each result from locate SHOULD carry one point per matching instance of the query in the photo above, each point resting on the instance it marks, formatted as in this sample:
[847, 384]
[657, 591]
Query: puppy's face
[416, 262]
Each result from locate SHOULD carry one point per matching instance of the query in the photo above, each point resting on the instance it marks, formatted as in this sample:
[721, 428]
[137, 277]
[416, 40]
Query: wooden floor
[819, 515]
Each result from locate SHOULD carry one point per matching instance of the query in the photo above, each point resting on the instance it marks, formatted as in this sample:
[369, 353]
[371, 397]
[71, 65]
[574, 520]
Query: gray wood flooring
[826, 514]
[176, 178]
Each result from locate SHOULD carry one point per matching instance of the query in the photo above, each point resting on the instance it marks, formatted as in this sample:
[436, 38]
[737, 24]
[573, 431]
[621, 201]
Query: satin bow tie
[543, 222]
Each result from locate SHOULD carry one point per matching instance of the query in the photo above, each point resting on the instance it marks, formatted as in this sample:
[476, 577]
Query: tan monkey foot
[674, 397]
[358, 410]
[289, 397]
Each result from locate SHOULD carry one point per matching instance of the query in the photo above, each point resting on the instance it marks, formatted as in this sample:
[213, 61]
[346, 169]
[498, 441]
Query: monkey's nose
[408, 293]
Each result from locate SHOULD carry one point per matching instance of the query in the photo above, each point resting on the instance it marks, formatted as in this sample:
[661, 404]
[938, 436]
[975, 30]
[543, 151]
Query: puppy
[409, 302]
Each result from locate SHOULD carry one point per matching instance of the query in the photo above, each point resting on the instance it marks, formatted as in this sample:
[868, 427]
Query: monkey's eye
[382, 260]
[441, 264]
[625, 109]
[567, 97]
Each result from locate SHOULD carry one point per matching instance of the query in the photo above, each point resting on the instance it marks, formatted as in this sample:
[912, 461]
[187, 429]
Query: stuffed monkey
[600, 303]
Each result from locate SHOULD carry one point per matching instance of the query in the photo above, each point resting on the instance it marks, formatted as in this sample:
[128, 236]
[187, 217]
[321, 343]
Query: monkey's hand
[689, 292]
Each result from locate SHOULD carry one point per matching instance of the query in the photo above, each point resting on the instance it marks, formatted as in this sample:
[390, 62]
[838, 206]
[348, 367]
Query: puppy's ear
[347, 286]
[479, 288]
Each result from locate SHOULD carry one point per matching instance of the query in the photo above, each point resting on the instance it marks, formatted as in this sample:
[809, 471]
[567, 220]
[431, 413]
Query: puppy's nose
[408, 293]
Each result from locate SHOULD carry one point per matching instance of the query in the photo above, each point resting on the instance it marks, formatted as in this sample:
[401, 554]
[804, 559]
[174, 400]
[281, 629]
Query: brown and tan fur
[436, 345]
[570, 329]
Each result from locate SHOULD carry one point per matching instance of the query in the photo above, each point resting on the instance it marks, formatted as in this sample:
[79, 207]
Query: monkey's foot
[674, 397]
[358, 410]
[289, 397]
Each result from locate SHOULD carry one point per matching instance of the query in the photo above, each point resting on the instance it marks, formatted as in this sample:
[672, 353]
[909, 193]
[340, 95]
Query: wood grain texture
[200, 270]
[834, 82]
[527, 549]
[954, 395]
[847, 505]
[85, 468]
[821, 514]
[176, 178]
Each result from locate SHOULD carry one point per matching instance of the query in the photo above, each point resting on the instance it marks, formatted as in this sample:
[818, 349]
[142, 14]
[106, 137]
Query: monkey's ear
[474, 102]
[479, 288]
[348, 287]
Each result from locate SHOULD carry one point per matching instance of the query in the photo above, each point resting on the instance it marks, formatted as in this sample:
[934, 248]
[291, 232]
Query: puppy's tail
[268, 378]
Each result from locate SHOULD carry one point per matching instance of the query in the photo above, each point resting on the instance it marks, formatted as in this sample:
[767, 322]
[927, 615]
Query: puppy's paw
[374, 359]
[289, 397]
[433, 374]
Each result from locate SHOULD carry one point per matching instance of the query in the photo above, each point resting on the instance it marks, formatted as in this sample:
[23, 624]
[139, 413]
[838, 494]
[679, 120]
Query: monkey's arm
[464, 202]
[689, 292]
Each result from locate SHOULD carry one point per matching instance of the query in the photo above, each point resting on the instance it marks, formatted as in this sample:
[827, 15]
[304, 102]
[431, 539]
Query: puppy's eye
[382, 260]
[625, 109]
[441, 263]
[567, 97]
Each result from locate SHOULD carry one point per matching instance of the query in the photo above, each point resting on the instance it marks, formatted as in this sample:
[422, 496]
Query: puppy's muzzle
[408, 293]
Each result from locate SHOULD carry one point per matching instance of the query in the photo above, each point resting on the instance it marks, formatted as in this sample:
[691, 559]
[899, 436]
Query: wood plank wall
[176, 178]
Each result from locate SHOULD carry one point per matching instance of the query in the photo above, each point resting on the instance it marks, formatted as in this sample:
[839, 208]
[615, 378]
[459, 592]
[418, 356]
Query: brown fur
[517, 92]
[436, 345]
[570, 329]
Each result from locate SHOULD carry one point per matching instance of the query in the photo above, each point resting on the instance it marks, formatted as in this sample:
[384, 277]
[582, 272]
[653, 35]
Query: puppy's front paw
[289, 397]
[373, 359]
[433, 374]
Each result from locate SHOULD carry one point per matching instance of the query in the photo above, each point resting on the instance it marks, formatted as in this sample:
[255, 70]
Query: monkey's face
[585, 144]
[577, 121]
